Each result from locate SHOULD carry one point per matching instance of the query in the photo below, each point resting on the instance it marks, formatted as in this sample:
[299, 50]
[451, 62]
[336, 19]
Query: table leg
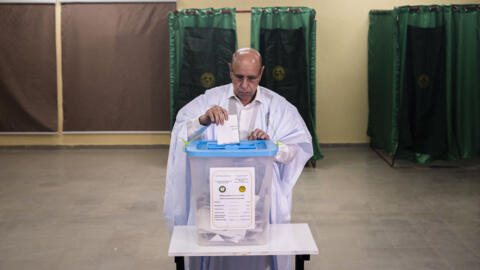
[180, 262]
[299, 261]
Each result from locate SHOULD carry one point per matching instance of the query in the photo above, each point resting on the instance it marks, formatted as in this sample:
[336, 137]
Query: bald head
[247, 56]
[246, 71]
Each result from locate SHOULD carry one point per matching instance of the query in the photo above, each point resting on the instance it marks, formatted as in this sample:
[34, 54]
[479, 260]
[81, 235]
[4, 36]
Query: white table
[285, 239]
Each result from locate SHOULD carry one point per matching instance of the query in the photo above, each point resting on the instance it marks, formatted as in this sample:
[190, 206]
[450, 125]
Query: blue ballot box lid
[259, 148]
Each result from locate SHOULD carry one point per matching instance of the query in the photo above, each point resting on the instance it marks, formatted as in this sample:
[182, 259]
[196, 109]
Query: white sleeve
[194, 128]
[286, 153]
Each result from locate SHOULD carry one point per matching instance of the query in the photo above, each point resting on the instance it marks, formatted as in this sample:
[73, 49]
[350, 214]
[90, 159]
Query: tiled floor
[102, 209]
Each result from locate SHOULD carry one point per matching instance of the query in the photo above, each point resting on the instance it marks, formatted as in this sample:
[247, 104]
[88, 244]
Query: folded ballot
[228, 132]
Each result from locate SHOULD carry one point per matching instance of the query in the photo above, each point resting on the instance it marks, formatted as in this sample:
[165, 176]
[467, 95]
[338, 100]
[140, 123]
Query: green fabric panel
[423, 17]
[407, 17]
[465, 91]
[207, 37]
[461, 80]
[286, 67]
[423, 111]
[206, 54]
[285, 36]
[380, 80]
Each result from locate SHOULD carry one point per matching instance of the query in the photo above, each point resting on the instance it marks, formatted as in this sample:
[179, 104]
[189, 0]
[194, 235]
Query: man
[262, 115]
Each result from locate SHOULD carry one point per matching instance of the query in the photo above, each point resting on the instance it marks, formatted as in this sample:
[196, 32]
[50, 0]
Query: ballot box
[231, 191]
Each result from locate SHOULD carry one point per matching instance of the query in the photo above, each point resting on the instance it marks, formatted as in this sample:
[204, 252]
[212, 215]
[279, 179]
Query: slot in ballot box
[232, 191]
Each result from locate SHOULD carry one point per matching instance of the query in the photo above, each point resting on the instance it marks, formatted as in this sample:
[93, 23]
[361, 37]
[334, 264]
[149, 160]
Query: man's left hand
[258, 134]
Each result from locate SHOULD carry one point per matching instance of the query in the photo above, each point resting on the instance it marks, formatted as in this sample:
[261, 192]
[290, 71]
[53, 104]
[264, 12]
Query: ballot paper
[228, 132]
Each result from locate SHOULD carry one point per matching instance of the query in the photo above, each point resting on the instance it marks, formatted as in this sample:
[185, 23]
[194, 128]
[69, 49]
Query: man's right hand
[215, 114]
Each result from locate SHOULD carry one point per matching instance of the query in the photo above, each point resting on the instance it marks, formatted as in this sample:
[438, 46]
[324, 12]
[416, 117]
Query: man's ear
[261, 72]
[231, 71]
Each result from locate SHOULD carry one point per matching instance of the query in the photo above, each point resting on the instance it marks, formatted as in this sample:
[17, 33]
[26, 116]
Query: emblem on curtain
[423, 81]
[278, 73]
[207, 80]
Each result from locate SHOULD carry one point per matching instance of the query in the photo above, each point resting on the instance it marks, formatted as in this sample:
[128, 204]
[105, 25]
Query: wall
[342, 28]
[342, 107]
[79, 139]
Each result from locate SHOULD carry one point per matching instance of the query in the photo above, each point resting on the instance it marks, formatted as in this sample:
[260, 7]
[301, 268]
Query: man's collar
[230, 92]
[258, 96]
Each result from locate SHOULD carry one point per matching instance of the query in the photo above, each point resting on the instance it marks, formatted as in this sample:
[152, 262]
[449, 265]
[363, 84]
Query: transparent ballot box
[231, 191]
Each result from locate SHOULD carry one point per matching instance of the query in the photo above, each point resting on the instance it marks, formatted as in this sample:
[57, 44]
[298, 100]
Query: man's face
[245, 73]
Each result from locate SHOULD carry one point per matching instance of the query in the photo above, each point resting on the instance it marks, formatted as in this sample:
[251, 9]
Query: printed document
[232, 198]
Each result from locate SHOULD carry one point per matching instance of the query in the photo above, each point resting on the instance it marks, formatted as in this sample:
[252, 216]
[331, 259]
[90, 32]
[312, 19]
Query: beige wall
[342, 28]
[342, 107]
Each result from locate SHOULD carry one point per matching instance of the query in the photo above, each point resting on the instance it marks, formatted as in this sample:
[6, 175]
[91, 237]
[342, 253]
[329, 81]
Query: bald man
[262, 115]
[245, 71]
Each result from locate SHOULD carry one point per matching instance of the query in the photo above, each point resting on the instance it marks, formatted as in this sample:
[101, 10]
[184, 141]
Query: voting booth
[232, 191]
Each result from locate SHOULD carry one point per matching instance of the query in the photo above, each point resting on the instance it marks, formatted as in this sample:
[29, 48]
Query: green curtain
[285, 36]
[464, 90]
[202, 42]
[381, 98]
[453, 129]
[422, 112]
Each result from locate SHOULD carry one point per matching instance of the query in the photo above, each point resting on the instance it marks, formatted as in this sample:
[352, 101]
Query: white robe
[282, 122]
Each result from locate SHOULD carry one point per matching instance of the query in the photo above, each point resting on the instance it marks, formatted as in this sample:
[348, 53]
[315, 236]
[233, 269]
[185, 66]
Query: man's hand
[258, 134]
[216, 115]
